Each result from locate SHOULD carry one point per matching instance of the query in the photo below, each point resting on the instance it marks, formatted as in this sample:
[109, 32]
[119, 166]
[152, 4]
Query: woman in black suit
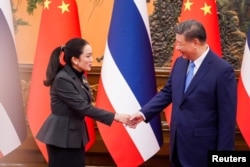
[65, 132]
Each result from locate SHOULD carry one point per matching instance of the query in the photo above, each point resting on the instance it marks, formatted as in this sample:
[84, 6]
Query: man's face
[186, 48]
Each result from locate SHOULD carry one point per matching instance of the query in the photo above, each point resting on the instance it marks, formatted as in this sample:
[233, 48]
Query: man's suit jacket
[70, 103]
[203, 118]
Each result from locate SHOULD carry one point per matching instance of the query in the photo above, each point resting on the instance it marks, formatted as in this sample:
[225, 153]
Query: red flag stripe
[125, 142]
[243, 107]
[243, 112]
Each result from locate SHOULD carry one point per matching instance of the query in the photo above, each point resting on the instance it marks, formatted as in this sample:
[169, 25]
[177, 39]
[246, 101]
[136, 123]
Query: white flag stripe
[9, 139]
[245, 69]
[124, 101]
[6, 8]
[142, 8]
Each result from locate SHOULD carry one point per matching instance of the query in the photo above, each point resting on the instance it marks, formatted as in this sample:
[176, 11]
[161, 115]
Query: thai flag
[243, 107]
[12, 121]
[128, 82]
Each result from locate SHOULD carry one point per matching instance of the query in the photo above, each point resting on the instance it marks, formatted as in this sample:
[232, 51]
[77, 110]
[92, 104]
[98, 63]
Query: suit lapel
[203, 69]
[180, 75]
[87, 87]
[81, 86]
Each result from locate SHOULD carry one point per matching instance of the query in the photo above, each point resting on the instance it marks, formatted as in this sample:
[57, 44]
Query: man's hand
[136, 118]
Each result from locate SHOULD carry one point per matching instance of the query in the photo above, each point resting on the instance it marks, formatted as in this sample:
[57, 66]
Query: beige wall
[94, 19]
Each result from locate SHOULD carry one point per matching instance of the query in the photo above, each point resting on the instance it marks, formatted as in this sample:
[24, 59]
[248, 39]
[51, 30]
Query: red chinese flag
[205, 12]
[243, 107]
[59, 23]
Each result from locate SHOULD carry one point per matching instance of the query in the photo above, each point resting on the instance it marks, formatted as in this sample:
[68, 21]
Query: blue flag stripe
[132, 56]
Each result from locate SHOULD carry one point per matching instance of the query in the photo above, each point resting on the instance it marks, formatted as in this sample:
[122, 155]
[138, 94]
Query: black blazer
[70, 103]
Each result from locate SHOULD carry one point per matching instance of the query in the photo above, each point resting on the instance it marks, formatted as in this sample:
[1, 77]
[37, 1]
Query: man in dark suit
[203, 114]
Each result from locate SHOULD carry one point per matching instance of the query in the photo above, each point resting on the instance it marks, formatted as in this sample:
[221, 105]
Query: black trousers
[65, 157]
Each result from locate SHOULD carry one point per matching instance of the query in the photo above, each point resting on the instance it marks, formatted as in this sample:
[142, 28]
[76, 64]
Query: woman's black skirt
[65, 157]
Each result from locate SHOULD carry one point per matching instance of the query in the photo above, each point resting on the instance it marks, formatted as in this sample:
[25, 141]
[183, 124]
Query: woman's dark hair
[73, 48]
[191, 29]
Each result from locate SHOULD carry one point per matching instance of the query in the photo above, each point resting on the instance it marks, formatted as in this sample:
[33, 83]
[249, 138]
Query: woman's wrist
[117, 118]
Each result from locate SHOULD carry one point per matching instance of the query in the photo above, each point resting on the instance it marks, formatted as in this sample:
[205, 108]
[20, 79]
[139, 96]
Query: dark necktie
[190, 75]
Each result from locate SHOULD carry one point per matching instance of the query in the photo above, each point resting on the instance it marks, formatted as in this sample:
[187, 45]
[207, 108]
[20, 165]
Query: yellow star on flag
[188, 5]
[64, 7]
[46, 4]
[206, 9]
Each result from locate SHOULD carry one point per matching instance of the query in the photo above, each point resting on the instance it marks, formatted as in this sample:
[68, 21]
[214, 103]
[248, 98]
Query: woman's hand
[125, 118]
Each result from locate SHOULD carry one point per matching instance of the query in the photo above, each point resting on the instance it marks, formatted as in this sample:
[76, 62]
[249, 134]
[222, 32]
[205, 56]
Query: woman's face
[84, 62]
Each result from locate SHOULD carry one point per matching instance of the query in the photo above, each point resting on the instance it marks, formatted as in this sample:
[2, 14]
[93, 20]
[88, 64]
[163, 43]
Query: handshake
[130, 120]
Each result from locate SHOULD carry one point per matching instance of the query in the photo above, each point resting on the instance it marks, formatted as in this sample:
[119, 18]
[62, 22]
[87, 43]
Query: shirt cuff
[142, 115]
